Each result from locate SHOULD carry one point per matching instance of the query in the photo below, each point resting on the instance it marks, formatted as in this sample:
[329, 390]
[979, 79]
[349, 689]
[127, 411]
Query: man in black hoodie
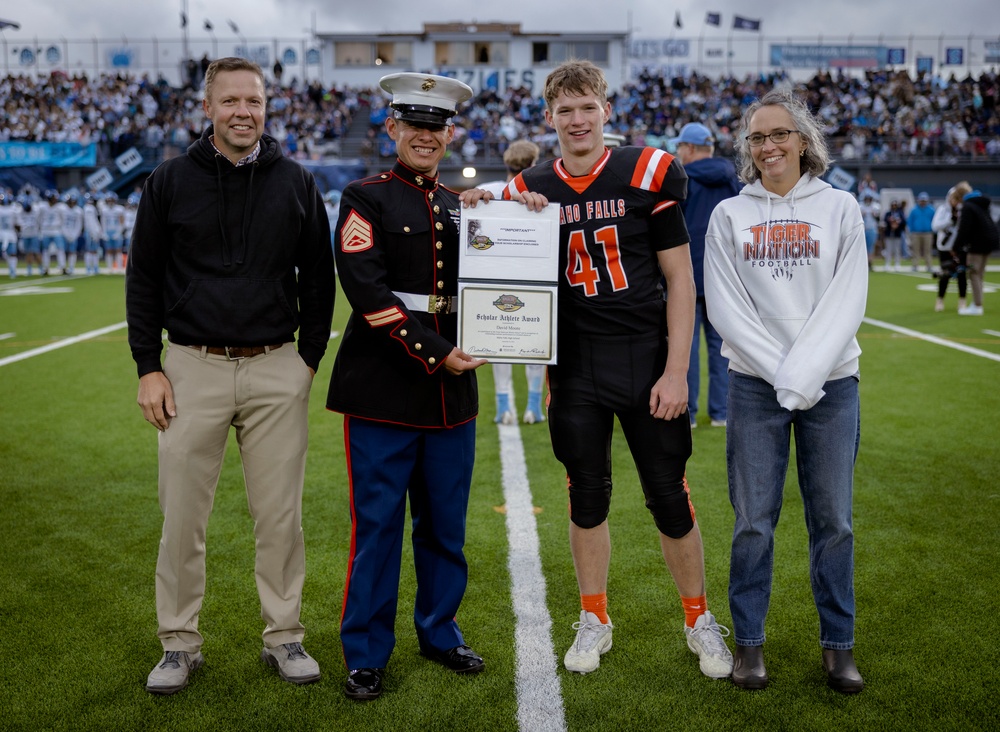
[231, 255]
[976, 235]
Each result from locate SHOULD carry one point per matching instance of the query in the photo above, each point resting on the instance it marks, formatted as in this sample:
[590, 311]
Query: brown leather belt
[235, 353]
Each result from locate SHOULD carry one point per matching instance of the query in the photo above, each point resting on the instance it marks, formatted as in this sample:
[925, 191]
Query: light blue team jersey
[8, 218]
[28, 222]
[50, 220]
[113, 220]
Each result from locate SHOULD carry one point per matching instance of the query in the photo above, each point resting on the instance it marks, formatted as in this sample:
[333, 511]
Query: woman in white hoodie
[786, 279]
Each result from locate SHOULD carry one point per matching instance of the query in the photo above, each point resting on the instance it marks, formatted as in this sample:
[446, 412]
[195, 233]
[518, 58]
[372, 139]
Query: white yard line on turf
[933, 339]
[39, 281]
[992, 332]
[60, 344]
[76, 339]
[539, 693]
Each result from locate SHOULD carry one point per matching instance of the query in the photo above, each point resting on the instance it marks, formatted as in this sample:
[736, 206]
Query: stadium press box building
[496, 56]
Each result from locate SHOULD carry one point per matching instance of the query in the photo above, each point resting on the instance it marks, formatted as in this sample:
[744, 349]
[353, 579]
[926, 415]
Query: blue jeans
[718, 365]
[757, 451]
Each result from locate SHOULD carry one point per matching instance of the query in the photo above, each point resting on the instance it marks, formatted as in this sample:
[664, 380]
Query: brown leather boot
[748, 667]
[841, 672]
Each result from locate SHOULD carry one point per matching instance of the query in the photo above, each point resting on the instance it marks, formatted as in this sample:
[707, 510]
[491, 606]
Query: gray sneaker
[293, 663]
[171, 674]
[706, 640]
[593, 639]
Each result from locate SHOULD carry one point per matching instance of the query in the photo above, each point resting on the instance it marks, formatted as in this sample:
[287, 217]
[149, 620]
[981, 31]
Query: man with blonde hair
[621, 235]
[231, 255]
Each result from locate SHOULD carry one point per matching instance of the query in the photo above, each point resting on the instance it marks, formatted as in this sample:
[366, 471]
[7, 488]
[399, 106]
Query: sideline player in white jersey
[9, 209]
[128, 223]
[72, 230]
[331, 202]
[112, 216]
[50, 213]
[93, 234]
[30, 243]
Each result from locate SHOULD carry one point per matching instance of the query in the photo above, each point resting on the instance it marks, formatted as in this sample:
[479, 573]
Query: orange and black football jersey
[613, 221]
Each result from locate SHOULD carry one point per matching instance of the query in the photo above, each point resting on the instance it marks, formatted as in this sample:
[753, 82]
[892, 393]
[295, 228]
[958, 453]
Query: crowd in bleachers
[876, 116]
[871, 117]
[118, 112]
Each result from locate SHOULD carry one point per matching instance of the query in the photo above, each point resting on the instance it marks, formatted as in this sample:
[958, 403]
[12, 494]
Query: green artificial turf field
[80, 525]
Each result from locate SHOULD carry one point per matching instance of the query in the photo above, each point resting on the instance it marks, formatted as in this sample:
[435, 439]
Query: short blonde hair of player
[578, 78]
[521, 154]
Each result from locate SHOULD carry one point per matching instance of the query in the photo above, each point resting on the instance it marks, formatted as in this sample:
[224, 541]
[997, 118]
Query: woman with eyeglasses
[786, 277]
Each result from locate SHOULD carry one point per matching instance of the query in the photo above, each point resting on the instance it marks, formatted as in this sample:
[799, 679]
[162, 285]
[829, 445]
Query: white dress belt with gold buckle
[439, 304]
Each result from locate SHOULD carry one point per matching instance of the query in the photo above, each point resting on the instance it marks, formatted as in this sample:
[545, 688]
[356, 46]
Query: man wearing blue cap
[710, 180]
[408, 394]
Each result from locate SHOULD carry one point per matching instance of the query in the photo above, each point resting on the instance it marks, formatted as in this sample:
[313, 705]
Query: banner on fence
[50, 154]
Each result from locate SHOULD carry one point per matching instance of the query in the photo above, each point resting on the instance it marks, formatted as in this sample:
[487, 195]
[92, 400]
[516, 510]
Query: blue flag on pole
[741, 23]
[713, 18]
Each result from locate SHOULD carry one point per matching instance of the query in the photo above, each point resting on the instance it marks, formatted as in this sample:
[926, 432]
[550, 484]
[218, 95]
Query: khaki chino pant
[921, 248]
[977, 268]
[265, 398]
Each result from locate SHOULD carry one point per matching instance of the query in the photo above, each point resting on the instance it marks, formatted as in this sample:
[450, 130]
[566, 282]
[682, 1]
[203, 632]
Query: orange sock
[693, 608]
[597, 604]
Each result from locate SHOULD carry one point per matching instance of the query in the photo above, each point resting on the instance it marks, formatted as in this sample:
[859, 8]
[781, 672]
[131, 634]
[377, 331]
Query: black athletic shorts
[596, 380]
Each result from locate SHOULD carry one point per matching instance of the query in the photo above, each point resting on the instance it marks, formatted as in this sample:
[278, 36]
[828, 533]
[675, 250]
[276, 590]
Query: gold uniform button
[440, 284]
[384, 177]
[430, 196]
[432, 360]
[439, 226]
[406, 229]
[440, 264]
[440, 245]
[402, 333]
[419, 180]
[417, 346]
[437, 209]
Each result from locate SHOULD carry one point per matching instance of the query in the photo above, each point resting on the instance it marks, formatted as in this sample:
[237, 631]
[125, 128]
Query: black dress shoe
[748, 668]
[460, 659]
[364, 683]
[841, 672]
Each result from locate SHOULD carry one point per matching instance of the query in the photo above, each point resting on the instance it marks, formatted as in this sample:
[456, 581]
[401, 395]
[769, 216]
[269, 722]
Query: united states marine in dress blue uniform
[409, 426]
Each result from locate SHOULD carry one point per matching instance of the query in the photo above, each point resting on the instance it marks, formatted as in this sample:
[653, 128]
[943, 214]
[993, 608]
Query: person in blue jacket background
[710, 180]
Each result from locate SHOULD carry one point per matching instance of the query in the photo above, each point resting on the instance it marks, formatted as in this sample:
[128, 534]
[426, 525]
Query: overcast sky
[73, 19]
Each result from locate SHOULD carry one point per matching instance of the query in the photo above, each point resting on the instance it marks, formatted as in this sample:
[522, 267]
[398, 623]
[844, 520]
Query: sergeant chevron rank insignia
[355, 234]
